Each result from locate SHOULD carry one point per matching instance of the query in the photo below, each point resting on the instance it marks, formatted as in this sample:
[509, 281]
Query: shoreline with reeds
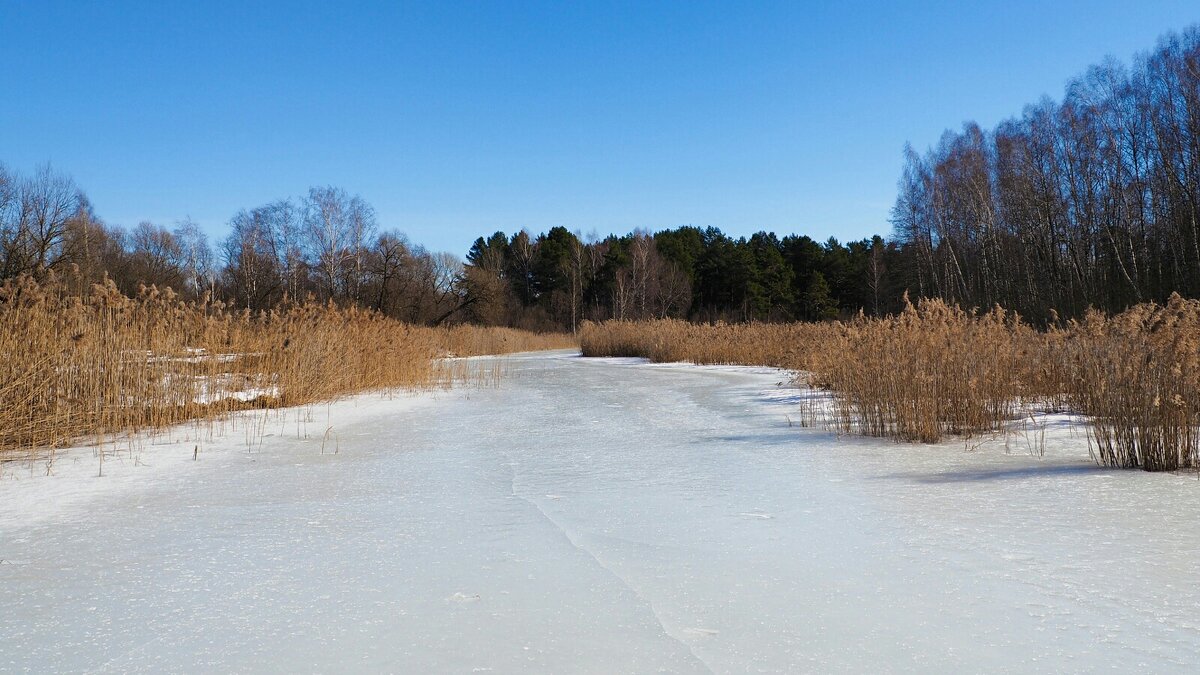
[88, 367]
[936, 371]
[83, 368]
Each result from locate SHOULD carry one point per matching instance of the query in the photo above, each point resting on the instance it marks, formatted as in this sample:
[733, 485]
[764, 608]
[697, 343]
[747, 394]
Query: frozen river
[600, 516]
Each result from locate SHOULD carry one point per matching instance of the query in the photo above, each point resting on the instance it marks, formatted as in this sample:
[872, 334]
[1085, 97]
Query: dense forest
[1093, 201]
[688, 272]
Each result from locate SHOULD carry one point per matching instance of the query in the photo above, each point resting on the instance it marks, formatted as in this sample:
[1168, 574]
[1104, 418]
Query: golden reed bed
[76, 367]
[936, 370]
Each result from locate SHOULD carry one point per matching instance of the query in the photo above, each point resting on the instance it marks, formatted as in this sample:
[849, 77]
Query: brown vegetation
[78, 365]
[941, 371]
[470, 340]
[1137, 377]
[936, 370]
[762, 344]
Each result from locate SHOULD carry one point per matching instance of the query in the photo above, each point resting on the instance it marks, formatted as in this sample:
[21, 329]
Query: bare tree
[156, 256]
[362, 226]
[195, 257]
[327, 230]
[285, 230]
[38, 210]
[577, 269]
[250, 263]
[337, 227]
[386, 262]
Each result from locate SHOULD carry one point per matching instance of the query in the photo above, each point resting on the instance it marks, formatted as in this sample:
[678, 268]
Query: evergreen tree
[818, 303]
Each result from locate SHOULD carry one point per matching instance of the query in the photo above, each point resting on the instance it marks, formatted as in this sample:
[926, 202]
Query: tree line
[702, 274]
[327, 245]
[1091, 201]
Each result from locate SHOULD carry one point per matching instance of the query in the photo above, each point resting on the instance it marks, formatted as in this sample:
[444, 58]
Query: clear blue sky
[456, 120]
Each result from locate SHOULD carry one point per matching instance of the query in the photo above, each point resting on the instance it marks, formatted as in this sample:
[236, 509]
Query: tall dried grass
[1137, 377]
[937, 370]
[931, 371]
[77, 366]
[934, 370]
[468, 340]
[665, 340]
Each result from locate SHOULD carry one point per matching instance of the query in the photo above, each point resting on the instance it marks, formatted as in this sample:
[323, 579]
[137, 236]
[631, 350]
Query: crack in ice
[596, 559]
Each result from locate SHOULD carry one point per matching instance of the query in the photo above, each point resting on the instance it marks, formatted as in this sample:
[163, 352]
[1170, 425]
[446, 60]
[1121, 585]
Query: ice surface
[599, 516]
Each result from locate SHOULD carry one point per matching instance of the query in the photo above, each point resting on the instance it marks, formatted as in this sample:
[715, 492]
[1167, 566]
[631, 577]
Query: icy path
[598, 516]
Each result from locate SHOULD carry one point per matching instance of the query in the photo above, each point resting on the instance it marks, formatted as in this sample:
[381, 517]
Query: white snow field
[595, 515]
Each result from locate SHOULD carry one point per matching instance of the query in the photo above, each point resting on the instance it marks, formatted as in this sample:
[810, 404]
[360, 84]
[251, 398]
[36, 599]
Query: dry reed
[760, 344]
[936, 370]
[468, 340]
[933, 370]
[1137, 377]
[76, 366]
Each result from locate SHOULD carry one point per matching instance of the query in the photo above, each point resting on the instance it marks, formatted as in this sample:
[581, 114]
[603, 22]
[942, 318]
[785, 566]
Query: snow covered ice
[595, 515]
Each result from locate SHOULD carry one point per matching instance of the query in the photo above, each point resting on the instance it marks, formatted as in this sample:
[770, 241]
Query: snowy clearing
[594, 515]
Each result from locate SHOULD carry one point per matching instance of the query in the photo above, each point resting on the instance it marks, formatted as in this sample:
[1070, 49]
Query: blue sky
[456, 120]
